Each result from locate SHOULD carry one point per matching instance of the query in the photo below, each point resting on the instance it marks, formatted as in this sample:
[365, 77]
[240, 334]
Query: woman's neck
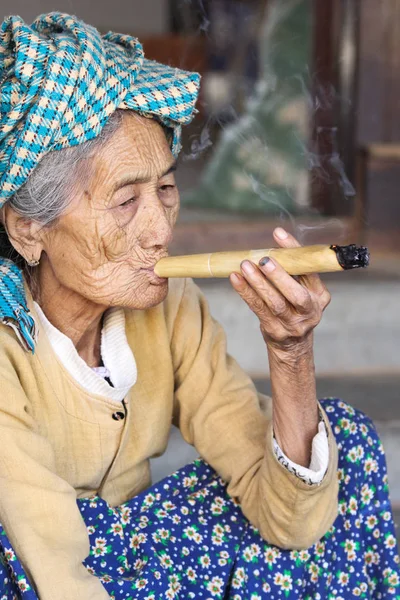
[76, 317]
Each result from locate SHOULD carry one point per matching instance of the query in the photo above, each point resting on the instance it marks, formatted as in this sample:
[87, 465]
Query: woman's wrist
[295, 407]
[292, 353]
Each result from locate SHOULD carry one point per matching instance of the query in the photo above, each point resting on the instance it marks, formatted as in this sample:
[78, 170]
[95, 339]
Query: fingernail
[235, 278]
[281, 233]
[267, 264]
[247, 267]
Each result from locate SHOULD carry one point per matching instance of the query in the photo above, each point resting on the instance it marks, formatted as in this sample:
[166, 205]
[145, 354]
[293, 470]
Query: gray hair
[48, 191]
[51, 186]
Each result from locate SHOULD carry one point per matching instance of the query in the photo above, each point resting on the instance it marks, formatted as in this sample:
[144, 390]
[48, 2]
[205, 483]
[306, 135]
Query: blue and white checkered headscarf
[60, 81]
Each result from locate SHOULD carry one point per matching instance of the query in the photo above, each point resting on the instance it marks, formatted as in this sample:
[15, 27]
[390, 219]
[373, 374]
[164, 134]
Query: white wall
[128, 16]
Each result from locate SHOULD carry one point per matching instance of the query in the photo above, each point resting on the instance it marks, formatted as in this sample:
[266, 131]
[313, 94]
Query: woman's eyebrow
[173, 167]
[132, 180]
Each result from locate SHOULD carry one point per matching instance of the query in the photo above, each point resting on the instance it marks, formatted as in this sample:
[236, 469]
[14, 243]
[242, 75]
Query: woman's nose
[157, 231]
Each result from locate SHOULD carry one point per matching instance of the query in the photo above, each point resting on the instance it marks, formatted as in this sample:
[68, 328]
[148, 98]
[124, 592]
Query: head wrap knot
[60, 81]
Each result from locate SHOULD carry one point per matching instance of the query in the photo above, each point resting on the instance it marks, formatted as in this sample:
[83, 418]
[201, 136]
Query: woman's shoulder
[15, 367]
[9, 342]
[13, 355]
[182, 293]
[184, 298]
[177, 290]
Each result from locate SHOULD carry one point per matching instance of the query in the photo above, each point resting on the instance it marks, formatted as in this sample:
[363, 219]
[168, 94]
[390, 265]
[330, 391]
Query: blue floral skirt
[185, 538]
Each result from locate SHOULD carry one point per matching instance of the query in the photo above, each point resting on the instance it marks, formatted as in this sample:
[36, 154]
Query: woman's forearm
[288, 310]
[295, 408]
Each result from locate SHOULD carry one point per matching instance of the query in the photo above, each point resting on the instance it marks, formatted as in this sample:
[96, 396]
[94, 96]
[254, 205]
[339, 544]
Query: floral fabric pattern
[186, 538]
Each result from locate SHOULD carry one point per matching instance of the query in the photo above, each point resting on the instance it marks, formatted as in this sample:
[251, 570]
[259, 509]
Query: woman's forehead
[141, 132]
[139, 148]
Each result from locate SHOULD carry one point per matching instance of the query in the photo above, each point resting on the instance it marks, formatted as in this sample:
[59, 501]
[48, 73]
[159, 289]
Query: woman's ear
[24, 234]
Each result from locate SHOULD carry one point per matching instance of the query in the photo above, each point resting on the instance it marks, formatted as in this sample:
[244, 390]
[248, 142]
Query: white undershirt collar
[116, 353]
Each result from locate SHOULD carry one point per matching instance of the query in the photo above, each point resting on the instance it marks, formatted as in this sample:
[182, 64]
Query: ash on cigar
[352, 256]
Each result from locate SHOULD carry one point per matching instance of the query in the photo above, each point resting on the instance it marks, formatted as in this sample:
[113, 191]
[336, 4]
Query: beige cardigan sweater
[58, 442]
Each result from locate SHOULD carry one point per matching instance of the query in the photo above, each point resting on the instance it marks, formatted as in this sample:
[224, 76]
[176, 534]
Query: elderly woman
[98, 355]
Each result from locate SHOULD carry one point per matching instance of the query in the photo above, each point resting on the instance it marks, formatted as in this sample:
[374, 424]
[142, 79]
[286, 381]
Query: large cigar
[296, 261]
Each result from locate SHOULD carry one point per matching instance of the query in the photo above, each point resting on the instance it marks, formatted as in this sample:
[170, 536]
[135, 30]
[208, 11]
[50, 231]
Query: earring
[33, 263]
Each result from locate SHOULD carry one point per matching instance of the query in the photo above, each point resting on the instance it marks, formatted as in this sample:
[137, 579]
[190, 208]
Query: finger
[266, 291]
[267, 320]
[321, 293]
[284, 239]
[272, 328]
[296, 294]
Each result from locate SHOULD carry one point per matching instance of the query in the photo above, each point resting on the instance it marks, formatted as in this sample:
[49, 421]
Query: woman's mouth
[154, 279]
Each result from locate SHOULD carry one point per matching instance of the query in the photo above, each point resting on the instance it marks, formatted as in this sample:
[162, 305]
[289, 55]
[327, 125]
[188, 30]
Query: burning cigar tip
[352, 256]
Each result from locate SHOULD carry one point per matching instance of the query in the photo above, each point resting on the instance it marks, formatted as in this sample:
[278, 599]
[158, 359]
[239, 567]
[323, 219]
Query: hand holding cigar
[288, 310]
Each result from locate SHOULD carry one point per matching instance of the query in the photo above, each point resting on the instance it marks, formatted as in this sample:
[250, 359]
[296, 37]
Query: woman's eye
[127, 202]
[168, 194]
[166, 188]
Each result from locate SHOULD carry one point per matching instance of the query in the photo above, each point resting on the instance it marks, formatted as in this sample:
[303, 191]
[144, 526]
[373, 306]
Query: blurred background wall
[142, 17]
[298, 125]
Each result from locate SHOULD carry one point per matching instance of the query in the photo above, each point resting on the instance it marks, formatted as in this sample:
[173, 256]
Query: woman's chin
[158, 293]
[148, 297]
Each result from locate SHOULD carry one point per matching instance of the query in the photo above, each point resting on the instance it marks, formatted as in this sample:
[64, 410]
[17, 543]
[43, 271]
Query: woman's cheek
[113, 239]
[173, 214]
[115, 244]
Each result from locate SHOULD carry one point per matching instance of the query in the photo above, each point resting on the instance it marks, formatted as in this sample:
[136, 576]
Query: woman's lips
[154, 279]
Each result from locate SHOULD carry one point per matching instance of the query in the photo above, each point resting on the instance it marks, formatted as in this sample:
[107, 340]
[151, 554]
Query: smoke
[304, 232]
[199, 144]
[338, 166]
[198, 11]
[269, 196]
[205, 22]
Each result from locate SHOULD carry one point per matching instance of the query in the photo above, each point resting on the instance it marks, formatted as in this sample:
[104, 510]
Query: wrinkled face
[115, 230]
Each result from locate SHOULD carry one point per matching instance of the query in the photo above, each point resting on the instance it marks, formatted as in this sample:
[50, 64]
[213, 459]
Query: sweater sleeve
[218, 410]
[38, 509]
